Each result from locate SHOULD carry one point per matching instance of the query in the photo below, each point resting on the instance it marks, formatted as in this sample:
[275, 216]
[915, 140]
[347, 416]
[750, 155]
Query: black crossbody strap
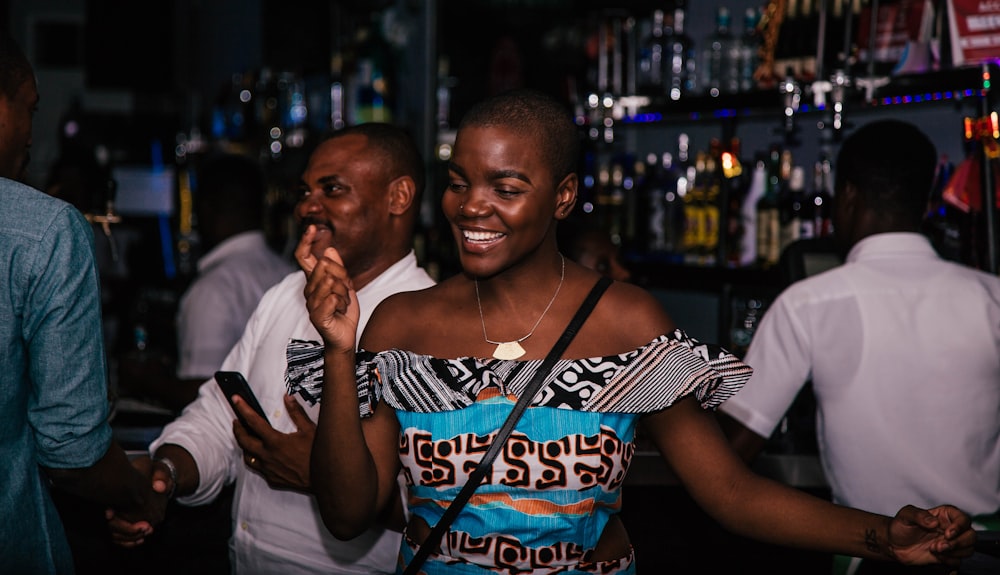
[486, 463]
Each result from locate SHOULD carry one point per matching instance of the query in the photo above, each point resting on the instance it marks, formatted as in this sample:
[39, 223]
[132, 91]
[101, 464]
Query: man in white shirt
[902, 347]
[361, 190]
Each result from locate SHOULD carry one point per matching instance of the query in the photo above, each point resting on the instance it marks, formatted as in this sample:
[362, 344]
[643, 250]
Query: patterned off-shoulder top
[558, 479]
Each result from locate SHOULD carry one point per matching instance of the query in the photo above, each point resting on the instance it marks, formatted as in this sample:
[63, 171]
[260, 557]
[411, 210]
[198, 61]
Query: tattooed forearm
[871, 541]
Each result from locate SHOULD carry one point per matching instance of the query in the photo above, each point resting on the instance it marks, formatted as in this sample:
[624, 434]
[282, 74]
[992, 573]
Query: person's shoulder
[407, 312]
[413, 302]
[631, 296]
[629, 316]
[973, 277]
[26, 208]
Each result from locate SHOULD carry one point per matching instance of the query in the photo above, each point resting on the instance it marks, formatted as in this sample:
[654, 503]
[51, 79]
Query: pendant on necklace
[508, 350]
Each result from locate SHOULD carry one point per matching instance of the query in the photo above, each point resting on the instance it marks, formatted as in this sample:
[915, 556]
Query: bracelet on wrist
[172, 470]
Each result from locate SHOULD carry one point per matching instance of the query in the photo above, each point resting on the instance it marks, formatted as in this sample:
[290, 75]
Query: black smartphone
[233, 383]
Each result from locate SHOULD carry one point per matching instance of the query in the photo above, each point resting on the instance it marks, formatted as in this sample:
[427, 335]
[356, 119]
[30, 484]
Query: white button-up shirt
[279, 531]
[903, 349]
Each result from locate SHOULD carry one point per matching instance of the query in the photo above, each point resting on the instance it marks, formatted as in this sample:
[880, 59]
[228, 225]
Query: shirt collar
[892, 245]
[392, 274]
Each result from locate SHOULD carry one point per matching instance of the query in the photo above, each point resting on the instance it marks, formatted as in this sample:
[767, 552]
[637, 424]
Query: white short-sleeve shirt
[903, 350]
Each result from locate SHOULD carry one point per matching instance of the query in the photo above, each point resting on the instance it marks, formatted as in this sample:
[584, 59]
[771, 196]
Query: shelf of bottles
[720, 205]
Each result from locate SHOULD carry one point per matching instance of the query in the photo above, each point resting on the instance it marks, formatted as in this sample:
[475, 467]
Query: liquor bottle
[712, 230]
[694, 214]
[372, 82]
[749, 45]
[834, 55]
[785, 51]
[680, 74]
[720, 58]
[663, 208]
[633, 172]
[651, 65]
[852, 57]
[807, 212]
[805, 50]
[338, 99]
[615, 205]
[733, 189]
[746, 314]
[791, 207]
[652, 205]
[675, 187]
[822, 198]
[748, 211]
[768, 225]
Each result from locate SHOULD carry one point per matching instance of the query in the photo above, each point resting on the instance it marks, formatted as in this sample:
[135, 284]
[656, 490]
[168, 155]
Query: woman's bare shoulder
[626, 318]
[635, 308]
[403, 316]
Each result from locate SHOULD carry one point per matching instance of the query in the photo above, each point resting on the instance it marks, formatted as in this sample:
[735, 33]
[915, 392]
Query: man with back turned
[902, 347]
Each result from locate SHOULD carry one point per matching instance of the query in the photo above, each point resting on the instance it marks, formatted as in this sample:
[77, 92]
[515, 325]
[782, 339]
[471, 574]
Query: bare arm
[756, 507]
[354, 462]
[353, 465]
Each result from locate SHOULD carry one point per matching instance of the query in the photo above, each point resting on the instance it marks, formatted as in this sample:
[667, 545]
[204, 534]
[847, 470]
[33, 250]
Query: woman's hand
[943, 534]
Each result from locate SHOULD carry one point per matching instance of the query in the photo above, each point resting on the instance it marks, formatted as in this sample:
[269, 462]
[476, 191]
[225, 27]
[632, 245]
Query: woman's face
[501, 200]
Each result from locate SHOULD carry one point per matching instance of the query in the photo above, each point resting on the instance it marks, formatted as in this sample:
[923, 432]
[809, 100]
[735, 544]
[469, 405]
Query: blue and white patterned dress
[558, 480]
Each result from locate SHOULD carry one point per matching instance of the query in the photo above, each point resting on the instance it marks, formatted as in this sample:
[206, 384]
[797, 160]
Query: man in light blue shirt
[53, 385]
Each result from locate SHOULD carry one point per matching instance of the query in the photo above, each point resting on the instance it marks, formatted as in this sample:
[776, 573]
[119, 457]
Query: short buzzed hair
[396, 148]
[14, 67]
[892, 164]
[532, 113]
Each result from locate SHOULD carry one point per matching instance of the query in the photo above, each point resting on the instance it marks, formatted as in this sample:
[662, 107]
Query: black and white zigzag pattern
[304, 370]
[648, 379]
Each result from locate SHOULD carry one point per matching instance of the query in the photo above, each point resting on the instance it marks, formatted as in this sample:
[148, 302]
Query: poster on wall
[903, 35]
[975, 30]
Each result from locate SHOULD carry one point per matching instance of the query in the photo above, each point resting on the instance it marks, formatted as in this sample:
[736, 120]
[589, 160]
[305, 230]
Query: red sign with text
[975, 30]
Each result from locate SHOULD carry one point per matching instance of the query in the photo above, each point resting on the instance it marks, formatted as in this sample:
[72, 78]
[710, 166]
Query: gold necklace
[512, 349]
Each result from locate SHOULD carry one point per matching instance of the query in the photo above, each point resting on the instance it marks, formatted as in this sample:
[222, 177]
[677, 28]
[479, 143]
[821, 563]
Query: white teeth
[480, 236]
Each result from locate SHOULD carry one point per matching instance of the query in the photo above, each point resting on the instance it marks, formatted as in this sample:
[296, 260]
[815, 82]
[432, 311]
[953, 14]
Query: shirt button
[244, 525]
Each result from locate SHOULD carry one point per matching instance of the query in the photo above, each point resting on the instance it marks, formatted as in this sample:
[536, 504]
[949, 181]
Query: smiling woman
[434, 391]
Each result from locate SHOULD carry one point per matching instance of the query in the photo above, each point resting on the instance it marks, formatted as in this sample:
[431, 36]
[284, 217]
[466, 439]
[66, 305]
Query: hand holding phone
[233, 383]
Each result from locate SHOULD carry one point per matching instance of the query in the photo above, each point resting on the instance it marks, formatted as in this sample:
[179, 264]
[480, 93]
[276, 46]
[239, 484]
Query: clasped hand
[129, 531]
[941, 535]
